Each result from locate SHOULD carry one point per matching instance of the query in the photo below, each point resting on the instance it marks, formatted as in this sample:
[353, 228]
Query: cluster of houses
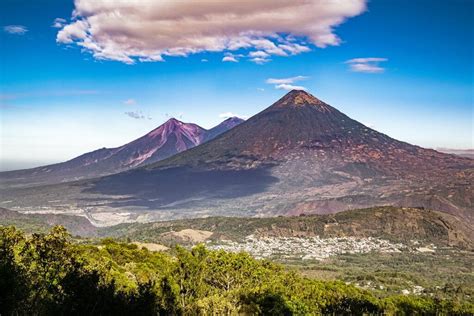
[307, 248]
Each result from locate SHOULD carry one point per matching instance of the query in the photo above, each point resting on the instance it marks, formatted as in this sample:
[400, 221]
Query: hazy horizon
[14, 164]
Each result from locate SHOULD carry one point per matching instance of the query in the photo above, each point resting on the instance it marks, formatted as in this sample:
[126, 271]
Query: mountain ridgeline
[165, 141]
[300, 155]
[392, 223]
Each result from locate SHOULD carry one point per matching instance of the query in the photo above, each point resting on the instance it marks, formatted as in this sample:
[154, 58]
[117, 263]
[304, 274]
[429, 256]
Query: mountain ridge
[397, 224]
[168, 139]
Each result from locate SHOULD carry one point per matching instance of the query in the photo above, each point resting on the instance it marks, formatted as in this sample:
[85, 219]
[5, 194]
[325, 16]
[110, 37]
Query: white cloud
[259, 57]
[137, 115]
[286, 80]
[130, 102]
[230, 58]
[147, 30]
[59, 23]
[366, 60]
[204, 60]
[295, 48]
[15, 29]
[227, 115]
[287, 83]
[289, 87]
[366, 65]
[259, 53]
[260, 61]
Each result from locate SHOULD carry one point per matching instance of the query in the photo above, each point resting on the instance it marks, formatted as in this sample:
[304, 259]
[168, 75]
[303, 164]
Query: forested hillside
[45, 274]
[393, 223]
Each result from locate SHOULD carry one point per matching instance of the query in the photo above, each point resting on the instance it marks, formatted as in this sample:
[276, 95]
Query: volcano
[300, 155]
[301, 129]
[170, 138]
[297, 123]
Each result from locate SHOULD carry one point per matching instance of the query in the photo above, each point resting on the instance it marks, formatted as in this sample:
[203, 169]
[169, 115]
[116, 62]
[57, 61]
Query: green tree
[13, 279]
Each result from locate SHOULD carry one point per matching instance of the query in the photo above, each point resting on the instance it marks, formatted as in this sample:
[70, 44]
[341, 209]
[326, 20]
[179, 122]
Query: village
[308, 248]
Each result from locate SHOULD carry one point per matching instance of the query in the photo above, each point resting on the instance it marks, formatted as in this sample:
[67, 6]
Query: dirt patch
[151, 246]
[188, 235]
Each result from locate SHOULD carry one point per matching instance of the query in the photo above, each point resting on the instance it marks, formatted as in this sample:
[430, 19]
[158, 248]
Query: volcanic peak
[175, 126]
[232, 121]
[301, 98]
[173, 123]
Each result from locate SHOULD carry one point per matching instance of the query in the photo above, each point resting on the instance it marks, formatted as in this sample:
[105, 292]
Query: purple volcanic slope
[165, 141]
[223, 127]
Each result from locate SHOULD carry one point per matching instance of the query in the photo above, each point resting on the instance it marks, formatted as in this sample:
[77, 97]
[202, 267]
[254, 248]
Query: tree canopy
[48, 274]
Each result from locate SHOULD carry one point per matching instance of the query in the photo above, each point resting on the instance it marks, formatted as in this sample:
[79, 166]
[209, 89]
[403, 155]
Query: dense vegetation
[445, 274]
[51, 274]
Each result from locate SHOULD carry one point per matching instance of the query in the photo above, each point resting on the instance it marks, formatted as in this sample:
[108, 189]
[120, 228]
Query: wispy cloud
[260, 60]
[137, 115]
[15, 29]
[177, 115]
[179, 28]
[287, 83]
[227, 115]
[366, 65]
[59, 23]
[130, 102]
[259, 57]
[286, 80]
[230, 58]
[289, 87]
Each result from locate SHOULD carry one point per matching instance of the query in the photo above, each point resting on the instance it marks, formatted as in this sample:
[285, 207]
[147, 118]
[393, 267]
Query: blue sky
[60, 99]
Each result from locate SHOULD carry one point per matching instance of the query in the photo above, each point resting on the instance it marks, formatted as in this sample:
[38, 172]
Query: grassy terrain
[445, 273]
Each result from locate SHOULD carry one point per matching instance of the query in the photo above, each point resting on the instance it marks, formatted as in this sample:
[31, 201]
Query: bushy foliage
[48, 274]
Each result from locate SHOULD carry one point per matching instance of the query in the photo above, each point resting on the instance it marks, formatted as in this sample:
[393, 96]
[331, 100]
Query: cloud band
[147, 30]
